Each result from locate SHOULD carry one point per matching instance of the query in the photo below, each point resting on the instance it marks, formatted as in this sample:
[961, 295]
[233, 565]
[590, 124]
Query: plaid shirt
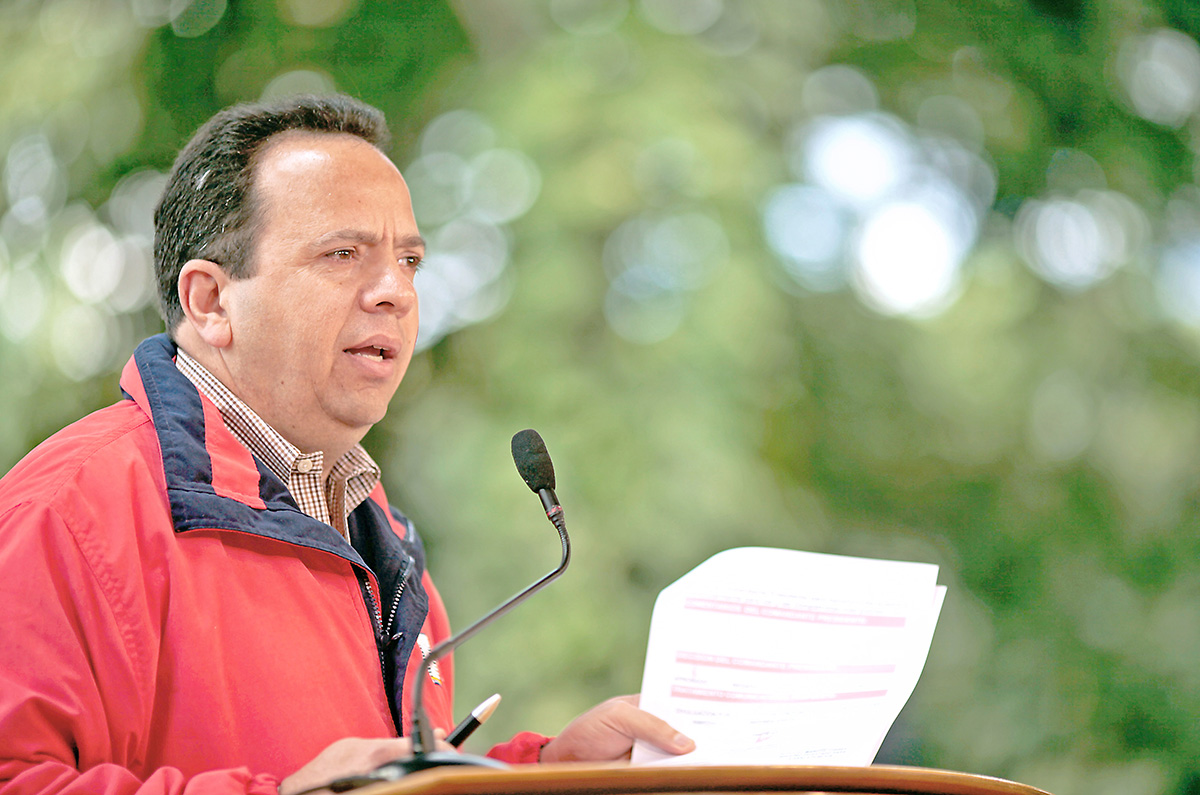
[351, 479]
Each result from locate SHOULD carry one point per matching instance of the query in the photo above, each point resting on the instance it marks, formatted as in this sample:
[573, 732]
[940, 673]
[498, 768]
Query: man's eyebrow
[410, 241]
[363, 236]
[346, 235]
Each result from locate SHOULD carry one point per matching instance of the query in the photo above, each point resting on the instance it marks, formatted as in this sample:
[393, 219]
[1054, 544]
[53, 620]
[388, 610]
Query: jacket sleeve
[76, 682]
[525, 748]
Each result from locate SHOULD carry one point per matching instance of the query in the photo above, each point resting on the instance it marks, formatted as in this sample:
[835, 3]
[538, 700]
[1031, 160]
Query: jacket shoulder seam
[98, 445]
[103, 583]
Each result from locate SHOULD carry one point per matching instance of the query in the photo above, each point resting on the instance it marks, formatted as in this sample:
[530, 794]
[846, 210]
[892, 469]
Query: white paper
[774, 656]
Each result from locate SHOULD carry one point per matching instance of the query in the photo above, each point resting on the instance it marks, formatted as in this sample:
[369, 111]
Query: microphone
[533, 464]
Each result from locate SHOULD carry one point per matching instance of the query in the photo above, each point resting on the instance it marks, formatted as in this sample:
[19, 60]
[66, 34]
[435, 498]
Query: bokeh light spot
[461, 132]
[152, 13]
[807, 228]
[1177, 281]
[735, 32]
[503, 185]
[92, 263]
[588, 16]
[1159, 73]
[639, 314]
[1076, 242]
[681, 17]
[299, 81]
[192, 18]
[896, 211]
[130, 206]
[31, 170]
[457, 283]
[82, 341]
[859, 159]
[673, 253]
[838, 90]
[438, 183]
[907, 260]
[22, 302]
[316, 13]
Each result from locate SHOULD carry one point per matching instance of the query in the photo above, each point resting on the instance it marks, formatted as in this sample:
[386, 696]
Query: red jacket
[172, 622]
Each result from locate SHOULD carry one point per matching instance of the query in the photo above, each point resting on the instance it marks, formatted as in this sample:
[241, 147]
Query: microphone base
[402, 767]
[393, 771]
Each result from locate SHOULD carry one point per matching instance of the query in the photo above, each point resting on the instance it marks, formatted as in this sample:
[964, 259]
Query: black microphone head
[532, 460]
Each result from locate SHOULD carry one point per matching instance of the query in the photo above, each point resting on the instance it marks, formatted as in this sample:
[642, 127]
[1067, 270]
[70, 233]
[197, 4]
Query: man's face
[324, 329]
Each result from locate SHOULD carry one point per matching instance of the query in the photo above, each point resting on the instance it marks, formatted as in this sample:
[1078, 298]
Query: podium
[621, 779]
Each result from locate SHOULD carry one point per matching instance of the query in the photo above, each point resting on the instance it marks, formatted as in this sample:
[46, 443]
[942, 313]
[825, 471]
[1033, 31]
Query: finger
[641, 725]
[439, 741]
[387, 750]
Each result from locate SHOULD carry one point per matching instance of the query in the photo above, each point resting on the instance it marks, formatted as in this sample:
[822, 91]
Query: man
[203, 587]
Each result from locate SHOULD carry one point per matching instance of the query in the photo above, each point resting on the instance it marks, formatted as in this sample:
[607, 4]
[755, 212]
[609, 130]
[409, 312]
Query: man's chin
[361, 419]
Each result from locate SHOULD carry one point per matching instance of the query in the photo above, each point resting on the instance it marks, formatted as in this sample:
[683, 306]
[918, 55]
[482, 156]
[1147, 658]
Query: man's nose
[390, 288]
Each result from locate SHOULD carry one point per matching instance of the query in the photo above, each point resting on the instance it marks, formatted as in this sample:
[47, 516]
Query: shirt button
[304, 466]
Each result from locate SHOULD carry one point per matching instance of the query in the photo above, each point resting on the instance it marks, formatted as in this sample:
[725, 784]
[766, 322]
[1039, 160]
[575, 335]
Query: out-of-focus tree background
[916, 279]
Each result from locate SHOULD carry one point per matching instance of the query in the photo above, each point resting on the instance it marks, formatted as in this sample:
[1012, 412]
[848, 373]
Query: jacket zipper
[376, 613]
[385, 629]
[391, 622]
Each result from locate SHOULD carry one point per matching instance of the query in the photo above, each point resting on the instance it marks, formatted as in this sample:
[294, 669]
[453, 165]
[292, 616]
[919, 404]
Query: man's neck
[326, 488]
[212, 361]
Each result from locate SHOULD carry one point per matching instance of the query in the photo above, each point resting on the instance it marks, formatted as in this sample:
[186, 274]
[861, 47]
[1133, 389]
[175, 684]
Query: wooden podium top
[579, 779]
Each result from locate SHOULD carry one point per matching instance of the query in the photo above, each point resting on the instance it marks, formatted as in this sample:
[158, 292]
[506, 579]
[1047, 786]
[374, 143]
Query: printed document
[775, 656]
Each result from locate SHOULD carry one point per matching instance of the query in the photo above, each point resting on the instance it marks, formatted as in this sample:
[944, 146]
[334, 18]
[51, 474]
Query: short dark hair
[208, 209]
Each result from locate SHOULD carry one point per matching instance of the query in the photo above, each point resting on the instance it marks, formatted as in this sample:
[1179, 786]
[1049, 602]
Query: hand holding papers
[773, 656]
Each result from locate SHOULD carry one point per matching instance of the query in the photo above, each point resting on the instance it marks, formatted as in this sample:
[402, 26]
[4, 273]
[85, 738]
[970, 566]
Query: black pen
[473, 721]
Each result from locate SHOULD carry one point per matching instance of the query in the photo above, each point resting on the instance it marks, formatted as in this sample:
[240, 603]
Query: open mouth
[372, 352]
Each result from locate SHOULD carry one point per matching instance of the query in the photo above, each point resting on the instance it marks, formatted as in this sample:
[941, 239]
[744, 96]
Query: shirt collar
[355, 470]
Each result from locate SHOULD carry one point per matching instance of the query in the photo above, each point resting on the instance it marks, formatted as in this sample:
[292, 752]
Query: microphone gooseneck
[533, 464]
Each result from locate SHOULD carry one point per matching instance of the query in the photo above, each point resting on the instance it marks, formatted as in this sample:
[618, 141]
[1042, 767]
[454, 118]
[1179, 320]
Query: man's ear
[201, 284]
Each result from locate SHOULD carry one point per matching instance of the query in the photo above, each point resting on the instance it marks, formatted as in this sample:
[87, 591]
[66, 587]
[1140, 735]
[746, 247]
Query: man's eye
[342, 253]
[411, 260]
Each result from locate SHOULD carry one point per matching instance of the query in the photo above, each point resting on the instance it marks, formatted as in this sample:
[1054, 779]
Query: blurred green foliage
[1035, 438]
